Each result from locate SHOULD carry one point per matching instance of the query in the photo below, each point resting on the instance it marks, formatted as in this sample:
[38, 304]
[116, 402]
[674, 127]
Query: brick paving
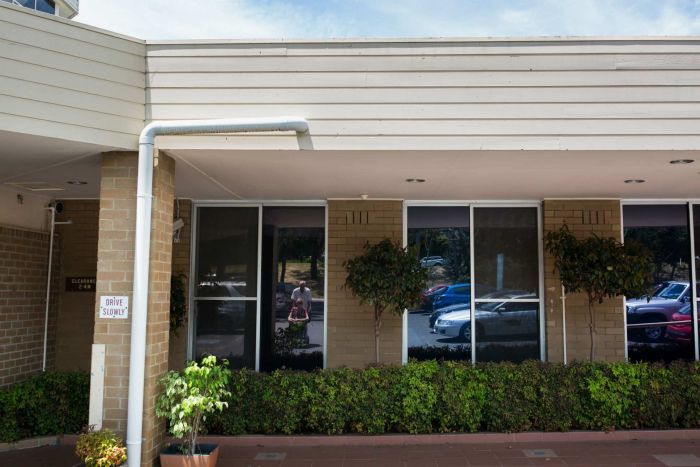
[671, 453]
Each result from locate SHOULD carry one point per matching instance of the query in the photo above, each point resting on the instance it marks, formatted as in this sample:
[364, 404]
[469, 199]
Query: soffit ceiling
[299, 175]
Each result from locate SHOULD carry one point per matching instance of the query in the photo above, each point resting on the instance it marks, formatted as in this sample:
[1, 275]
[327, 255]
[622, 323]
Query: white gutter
[142, 253]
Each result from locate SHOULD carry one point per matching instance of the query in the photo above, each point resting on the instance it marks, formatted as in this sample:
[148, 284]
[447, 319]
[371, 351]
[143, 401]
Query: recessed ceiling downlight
[635, 180]
[682, 161]
[415, 180]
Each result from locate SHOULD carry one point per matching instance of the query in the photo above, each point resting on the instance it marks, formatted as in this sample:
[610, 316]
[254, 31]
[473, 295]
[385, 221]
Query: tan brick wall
[181, 265]
[78, 259]
[115, 277]
[115, 262]
[23, 270]
[351, 327]
[584, 217]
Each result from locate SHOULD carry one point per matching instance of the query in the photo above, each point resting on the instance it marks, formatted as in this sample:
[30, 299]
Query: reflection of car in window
[493, 318]
[669, 298]
[428, 296]
[682, 329]
[430, 261]
[458, 293]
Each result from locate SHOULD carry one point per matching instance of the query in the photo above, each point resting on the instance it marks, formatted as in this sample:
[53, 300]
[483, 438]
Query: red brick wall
[23, 269]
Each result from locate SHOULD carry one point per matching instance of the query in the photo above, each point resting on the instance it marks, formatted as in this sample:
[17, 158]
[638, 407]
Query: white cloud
[189, 19]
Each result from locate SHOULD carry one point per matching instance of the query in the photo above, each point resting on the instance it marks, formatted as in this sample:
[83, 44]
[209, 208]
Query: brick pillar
[350, 326]
[181, 265]
[584, 218]
[115, 262]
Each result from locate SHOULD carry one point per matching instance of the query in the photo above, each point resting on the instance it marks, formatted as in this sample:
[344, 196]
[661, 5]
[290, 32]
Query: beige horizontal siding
[438, 94]
[438, 111]
[400, 79]
[430, 47]
[434, 95]
[413, 63]
[62, 79]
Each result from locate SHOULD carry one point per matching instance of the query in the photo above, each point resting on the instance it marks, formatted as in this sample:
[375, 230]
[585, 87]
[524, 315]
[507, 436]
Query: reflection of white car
[492, 319]
[430, 261]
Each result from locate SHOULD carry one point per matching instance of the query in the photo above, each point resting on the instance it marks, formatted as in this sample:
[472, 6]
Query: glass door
[226, 284]
[506, 282]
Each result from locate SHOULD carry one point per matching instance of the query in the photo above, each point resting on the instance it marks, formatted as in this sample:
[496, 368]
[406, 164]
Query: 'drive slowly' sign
[114, 307]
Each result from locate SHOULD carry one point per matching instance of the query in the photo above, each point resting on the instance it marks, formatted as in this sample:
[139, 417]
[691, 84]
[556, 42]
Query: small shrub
[100, 448]
[46, 404]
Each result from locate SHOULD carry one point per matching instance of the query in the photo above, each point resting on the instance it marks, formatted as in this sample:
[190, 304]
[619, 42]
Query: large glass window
[225, 292]
[441, 238]
[659, 327]
[292, 301]
[506, 280]
[268, 282]
[506, 275]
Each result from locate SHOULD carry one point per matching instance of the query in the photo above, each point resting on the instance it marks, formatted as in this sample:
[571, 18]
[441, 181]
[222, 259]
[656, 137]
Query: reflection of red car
[683, 330]
[428, 296]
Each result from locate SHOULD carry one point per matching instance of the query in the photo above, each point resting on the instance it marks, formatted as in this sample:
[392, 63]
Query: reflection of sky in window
[438, 217]
[659, 215]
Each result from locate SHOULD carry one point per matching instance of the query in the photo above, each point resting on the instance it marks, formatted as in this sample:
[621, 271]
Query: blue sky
[257, 19]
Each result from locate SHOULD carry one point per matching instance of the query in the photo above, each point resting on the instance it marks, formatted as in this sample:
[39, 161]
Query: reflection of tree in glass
[669, 247]
[451, 244]
[429, 242]
[301, 245]
[457, 265]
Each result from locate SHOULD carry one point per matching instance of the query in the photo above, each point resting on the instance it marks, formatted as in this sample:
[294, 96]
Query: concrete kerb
[400, 439]
[449, 438]
[29, 443]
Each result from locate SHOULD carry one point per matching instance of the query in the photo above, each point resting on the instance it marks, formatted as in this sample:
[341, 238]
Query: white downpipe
[48, 286]
[563, 321]
[144, 198]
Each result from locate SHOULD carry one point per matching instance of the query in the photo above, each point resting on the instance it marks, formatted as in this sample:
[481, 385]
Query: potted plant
[100, 448]
[187, 398]
[386, 277]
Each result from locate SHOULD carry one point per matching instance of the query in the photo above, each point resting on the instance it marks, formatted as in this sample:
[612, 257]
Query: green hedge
[432, 397]
[47, 404]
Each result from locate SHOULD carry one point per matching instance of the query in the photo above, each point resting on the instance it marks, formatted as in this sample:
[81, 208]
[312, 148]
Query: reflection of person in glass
[304, 293]
[298, 319]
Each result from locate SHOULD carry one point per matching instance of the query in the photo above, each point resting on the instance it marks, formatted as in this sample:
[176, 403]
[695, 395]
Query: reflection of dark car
[682, 329]
[455, 294]
[668, 299]
[428, 296]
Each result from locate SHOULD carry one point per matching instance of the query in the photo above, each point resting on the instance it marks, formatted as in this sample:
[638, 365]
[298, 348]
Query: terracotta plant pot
[206, 456]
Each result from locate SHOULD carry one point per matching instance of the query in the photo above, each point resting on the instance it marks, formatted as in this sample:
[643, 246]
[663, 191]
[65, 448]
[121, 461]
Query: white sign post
[114, 307]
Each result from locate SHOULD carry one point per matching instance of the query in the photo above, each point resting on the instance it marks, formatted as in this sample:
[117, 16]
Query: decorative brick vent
[357, 217]
[590, 217]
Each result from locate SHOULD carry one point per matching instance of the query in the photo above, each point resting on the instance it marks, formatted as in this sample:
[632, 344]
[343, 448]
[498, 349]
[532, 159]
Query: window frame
[471, 205]
[694, 299]
[260, 205]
